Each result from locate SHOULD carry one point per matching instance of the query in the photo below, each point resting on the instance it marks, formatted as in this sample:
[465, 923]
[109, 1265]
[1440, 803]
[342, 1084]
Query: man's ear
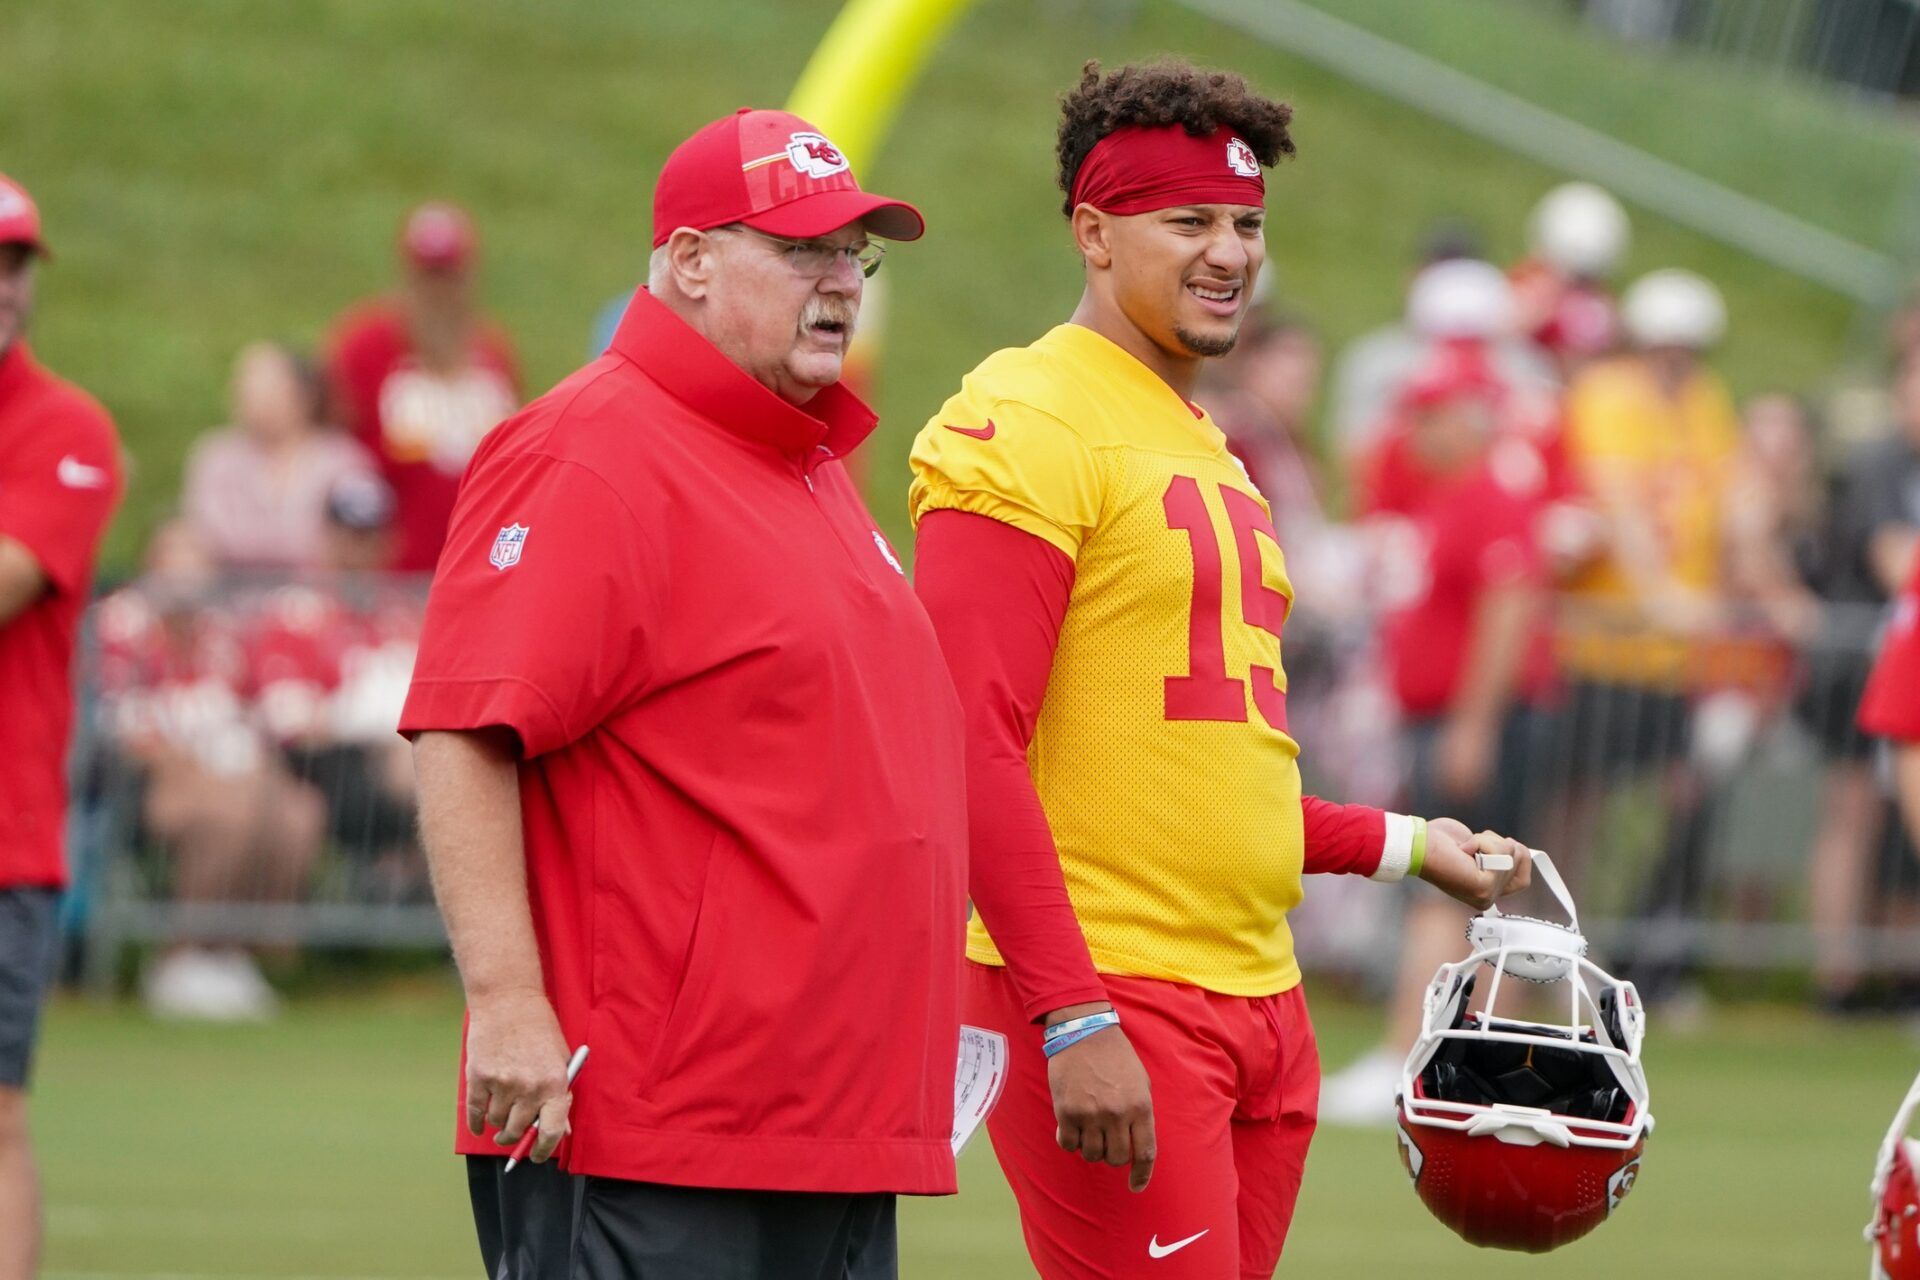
[690, 259]
[1092, 232]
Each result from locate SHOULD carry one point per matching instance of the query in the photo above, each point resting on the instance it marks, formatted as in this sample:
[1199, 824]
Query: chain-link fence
[1872, 46]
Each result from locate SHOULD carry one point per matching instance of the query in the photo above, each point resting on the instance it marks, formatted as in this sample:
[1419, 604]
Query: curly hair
[1165, 92]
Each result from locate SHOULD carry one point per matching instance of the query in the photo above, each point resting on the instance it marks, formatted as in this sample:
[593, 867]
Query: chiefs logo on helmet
[1894, 1232]
[1525, 1135]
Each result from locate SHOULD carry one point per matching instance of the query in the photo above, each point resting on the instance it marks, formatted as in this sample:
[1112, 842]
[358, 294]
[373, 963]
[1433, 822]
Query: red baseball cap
[19, 217]
[776, 173]
[439, 237]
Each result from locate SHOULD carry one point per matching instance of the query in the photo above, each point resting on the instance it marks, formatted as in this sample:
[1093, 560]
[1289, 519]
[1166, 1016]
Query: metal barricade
[1708, 795]
[238, 781]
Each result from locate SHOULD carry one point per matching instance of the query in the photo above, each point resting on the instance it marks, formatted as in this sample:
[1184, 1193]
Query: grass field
[212, 172]
[317, 1147]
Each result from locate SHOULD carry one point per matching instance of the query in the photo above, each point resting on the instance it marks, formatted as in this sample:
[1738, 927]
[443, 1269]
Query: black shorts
[29, 934]
[362, 817]
[1611, 730]
[1506, 803]
[1836, 680]
[538, 1222]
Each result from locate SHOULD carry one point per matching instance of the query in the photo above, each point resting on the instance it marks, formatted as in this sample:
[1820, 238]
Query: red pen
[525, 1144]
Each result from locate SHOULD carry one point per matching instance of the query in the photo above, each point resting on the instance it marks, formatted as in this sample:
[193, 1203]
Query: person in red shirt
[1458, 500]
[420, 377]
[1891, 705]
[691, 768]
[59, 483]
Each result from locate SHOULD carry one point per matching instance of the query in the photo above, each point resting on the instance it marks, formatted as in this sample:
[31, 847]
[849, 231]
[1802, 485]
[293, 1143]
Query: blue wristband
[1105, 1018]
[1061, 1043]
[1065, 1035]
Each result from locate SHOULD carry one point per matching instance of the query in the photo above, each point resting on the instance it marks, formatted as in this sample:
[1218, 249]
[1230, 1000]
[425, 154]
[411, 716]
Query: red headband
[1137, 170]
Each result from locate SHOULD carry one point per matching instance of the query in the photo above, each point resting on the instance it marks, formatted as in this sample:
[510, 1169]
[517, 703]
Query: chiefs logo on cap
[1241, 160]
[814, 156]
[12, 203]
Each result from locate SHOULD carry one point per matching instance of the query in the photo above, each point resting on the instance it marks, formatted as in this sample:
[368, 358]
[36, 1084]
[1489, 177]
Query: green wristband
[1419, 854]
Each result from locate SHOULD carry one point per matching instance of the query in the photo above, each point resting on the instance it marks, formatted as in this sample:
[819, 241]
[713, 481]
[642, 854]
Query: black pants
[538, 1223]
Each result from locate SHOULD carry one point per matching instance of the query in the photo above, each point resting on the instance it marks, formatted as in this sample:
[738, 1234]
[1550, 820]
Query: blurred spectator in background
[1873, 533]
[1881, 499]
[1653, 433]
[334, 660]
[60, 480]
[1784, 564]
[1261, 396]
[1776, 517]
[255, 492]
[420, 377]
[1371, 368]
[1577, 238]
[1467, 651]
[178, 690]
[1891, 708]
[1456, 300]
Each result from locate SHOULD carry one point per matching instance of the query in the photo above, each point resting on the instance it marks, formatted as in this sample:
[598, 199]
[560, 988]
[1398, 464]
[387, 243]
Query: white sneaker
[254, 998]
[192, 984]
[1361, 1096]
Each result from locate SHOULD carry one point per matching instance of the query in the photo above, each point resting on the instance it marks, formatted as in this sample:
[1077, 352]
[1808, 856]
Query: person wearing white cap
[1577, 237]
[1653, 433]
[1457, 298]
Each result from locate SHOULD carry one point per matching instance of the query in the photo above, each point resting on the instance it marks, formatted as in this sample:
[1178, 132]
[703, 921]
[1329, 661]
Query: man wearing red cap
[1107, 587]
[420, 377]
[59, 482]
[691, 768]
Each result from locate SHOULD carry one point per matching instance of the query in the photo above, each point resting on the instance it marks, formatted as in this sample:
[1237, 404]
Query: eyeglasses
[815, 258]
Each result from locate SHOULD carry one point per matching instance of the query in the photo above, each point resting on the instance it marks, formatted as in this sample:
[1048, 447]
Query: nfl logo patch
[506, 547]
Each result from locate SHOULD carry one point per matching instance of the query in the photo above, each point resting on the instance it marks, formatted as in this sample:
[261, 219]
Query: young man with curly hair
[1110, 596]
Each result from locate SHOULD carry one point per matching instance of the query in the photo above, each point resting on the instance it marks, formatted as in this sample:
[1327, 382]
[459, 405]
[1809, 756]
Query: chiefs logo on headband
[1241, 160]
[814, 156]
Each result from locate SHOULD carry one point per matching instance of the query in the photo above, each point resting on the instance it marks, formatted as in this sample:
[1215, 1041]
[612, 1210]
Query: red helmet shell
[1896, 1226]
[1503, 1195]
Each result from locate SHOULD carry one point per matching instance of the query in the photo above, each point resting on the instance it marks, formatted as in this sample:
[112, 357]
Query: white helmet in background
[1674, 308]
[1581, 230]
[1460, 298]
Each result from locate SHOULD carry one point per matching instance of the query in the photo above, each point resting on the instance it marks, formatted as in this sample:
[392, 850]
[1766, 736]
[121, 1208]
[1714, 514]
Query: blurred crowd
[1546, 560]
[247, 683]
[1541, 555]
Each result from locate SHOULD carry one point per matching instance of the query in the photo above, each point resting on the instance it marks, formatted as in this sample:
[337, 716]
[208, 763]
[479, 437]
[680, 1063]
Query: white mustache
[833, 311]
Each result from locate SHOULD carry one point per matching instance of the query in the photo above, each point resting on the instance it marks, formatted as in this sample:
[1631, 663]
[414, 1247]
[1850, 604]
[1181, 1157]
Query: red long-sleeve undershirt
[997, 596]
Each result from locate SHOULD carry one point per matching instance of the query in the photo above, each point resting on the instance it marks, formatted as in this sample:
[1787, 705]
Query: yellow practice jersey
[1161, 752]
[1674, 457]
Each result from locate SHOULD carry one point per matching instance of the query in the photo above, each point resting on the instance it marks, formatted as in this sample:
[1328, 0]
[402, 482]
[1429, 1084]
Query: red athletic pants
[1236, 1089]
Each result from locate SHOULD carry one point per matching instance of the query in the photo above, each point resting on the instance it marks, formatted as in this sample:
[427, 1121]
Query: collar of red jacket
[693, 371]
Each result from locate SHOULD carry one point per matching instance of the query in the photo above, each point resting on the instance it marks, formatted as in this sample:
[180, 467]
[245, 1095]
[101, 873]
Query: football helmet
[1518, 1134]
[1894, 1232]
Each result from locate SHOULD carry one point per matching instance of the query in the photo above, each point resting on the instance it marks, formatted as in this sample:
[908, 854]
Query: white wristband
[1396, 853]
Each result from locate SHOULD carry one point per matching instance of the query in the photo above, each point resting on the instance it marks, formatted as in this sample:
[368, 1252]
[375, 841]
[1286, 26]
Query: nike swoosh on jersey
[978, 433]
[1157, 1250]
[76, 474]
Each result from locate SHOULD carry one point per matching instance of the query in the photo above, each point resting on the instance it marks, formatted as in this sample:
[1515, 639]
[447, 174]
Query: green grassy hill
[214, 171]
